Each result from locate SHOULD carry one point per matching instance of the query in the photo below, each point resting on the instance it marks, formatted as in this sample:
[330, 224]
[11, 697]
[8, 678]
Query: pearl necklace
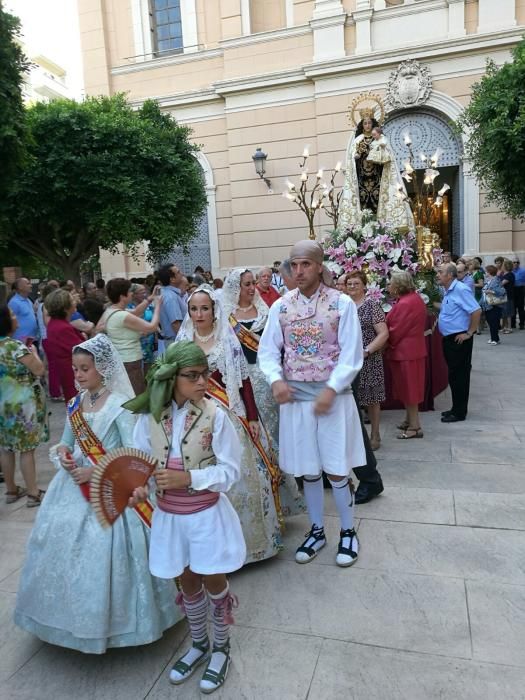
[244, 308]
[204, 338]
[95, 396]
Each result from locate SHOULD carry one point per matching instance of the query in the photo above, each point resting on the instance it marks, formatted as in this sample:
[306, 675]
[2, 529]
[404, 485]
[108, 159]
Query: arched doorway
[203, 250]
[431, 132]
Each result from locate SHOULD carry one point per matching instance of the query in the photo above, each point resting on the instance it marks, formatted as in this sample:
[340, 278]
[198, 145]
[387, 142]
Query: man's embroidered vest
[196, 444]
[311, 347]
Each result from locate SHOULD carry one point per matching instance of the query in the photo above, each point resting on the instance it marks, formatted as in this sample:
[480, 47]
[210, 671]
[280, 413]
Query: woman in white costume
[247, 314]
[256, 496]
[195, 533]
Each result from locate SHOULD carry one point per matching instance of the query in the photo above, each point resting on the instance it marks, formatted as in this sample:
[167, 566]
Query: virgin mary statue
[371, 182]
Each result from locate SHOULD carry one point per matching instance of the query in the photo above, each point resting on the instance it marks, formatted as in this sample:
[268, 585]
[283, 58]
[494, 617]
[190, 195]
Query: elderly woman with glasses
[375, 335]
[407, 350]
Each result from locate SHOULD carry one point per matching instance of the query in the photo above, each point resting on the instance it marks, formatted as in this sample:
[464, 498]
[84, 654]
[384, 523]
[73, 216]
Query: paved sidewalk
[434, 608]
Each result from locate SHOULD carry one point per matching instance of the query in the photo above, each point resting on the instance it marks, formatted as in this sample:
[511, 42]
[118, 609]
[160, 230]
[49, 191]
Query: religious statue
[427, 242]
[372, 178]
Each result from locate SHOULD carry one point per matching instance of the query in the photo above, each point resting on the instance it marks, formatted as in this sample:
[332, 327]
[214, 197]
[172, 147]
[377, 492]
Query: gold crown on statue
[367, 104]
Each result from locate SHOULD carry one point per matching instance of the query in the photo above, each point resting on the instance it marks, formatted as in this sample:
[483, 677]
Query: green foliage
[100, 174]
[13, 65]
[495, 124]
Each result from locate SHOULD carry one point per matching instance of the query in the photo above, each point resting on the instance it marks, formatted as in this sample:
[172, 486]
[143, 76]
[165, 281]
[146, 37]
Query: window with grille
[166, 26]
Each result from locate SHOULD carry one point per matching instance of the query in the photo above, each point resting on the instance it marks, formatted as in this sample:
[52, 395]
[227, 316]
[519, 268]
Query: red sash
[246, 337]
[217, 392]
[92, 449]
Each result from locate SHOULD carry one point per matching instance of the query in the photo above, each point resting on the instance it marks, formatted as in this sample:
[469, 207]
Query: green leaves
[100, 174]
[494, 122]
[13, 65]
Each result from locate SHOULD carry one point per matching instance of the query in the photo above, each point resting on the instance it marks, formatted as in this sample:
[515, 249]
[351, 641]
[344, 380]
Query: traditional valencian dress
[255, 496]
[248, 333]
[82, 586]
[196, 528]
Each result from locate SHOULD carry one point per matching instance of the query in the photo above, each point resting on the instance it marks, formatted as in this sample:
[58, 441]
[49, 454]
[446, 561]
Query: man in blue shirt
[173, 307]
[519, 294]
[458, 321]
[464, 277]
[22, 306]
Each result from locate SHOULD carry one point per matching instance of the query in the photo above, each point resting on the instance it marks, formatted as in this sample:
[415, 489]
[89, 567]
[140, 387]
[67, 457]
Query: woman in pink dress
[61, 339]
[407, 350]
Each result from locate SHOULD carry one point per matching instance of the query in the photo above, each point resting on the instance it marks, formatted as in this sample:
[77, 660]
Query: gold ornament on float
[427, 242]
[367, 104]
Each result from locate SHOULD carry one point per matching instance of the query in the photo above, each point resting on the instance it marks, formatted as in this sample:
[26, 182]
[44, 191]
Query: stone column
[470, 211]
[363, 18]
[456, 18]
[328, 25]
[496, 15]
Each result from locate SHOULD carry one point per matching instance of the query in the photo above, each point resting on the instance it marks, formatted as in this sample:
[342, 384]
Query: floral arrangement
[379, 249]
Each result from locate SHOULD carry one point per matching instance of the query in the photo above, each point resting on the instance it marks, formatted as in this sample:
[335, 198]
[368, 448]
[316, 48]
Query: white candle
[304, 176]
[338, 166]
[306, 152]
[408, 140]
[290, 185]
[319, 174]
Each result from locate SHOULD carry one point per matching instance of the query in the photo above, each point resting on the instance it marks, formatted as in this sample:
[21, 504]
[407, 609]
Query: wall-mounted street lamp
[259, 159]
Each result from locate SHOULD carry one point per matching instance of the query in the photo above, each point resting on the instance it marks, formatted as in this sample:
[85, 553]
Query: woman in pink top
[61, 339]
[407, 350]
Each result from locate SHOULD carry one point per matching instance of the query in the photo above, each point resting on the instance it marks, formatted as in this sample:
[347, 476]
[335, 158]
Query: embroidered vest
[196, 444]
[311, 347]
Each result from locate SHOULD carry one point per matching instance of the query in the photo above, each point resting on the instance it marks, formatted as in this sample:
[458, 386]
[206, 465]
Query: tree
[13, 65]
[100, 174]
[494, 122]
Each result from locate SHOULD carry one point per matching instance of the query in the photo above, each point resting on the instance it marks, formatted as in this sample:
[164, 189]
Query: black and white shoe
[315, 540]
[348, 549]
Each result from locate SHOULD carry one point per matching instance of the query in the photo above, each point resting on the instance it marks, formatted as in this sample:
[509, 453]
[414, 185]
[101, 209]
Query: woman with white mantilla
[247, 314]
[255, 496]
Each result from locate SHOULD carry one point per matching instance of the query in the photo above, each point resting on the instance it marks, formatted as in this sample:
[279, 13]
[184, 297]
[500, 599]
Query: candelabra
[321, 196]
[426, 200]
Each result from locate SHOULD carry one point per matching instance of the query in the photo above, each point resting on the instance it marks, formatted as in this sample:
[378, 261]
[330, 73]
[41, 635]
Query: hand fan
[117, 474]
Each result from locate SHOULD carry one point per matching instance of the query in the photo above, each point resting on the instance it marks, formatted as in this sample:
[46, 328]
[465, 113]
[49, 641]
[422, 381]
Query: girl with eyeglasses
[195, 533]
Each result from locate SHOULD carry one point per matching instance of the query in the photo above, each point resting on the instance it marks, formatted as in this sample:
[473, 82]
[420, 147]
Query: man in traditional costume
[310, 351]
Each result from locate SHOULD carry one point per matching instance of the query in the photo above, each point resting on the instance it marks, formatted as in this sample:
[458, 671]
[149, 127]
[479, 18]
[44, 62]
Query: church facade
[281, 75]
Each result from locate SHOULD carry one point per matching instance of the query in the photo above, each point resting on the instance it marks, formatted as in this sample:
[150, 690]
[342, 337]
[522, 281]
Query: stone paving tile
[490, 510]
[410, 505]
[496, 478]
[497, 451]
[402, 611]
[265, 665]
[464, 552]
[10, 583]
[497, 619]
[119, 674]
[12, 546]
[16, 645]
[359, 672]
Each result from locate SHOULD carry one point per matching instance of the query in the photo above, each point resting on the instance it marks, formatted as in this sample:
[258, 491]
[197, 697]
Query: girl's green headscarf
[162, 376]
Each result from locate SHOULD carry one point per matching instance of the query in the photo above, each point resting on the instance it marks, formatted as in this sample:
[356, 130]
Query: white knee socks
[344, 502]
[314, 497]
